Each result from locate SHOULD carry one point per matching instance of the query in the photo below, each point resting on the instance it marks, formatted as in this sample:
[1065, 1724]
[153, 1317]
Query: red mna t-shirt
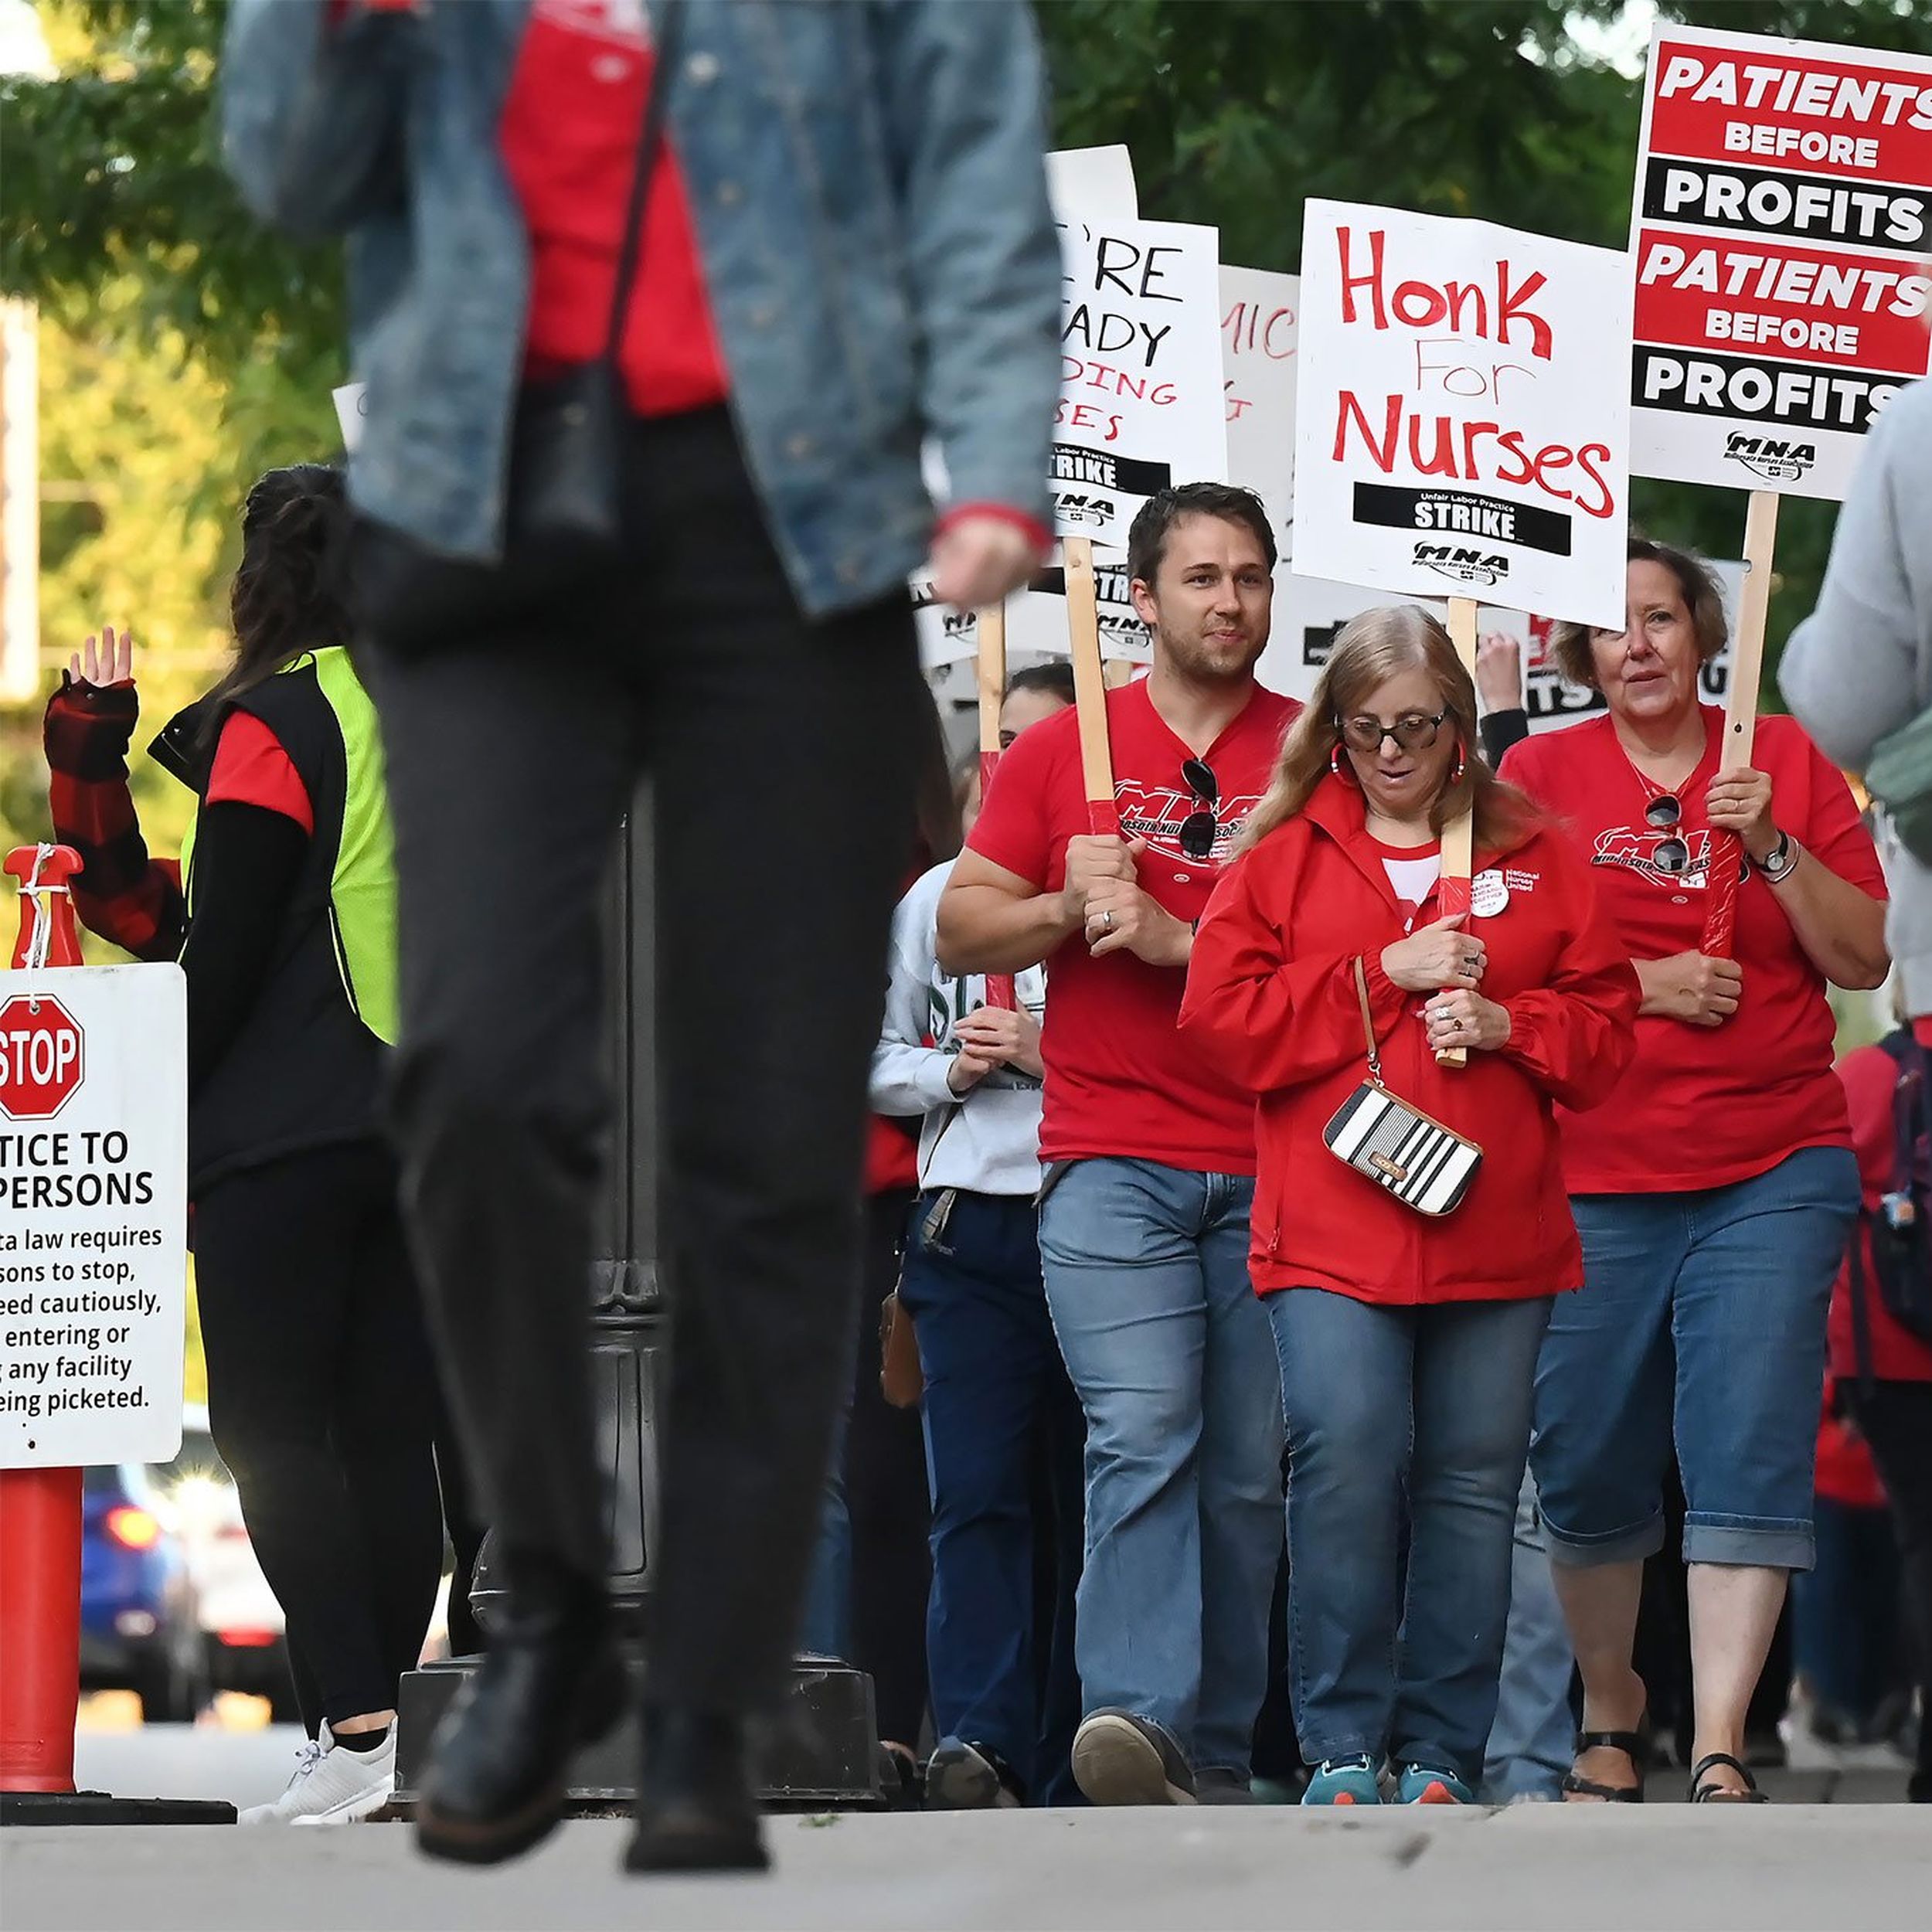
[1704, 1106]
[569, 136]
[1119, 1081]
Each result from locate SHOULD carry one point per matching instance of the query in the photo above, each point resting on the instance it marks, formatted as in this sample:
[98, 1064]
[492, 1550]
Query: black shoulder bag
[563, 514]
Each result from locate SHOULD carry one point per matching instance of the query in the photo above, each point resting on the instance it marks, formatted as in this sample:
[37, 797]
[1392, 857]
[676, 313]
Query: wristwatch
[1781, 861]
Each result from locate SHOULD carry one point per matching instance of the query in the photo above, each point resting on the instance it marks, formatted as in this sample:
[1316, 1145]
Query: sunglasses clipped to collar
[1664, 813]
[1198, 828]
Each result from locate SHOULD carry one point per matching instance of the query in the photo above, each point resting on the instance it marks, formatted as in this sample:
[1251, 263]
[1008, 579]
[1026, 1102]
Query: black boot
[696, 1811]
[552, 1680]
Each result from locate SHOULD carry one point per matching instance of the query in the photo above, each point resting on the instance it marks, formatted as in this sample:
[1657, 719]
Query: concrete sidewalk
[1766, 1868]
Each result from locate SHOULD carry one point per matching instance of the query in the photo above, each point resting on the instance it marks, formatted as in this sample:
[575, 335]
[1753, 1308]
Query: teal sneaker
[1428, 1785]
[1344, 1780]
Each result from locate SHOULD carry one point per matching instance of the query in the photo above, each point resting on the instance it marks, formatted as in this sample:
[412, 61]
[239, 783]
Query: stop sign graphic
[40, 1057]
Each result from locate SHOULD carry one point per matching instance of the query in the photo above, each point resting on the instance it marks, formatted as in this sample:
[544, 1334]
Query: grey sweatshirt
[1860, 665]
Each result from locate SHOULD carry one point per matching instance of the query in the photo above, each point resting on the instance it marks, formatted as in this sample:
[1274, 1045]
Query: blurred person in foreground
[747, 640]
[1715, 1198]
[1408, 1329]
[1143, 1213]
[1002, 1425]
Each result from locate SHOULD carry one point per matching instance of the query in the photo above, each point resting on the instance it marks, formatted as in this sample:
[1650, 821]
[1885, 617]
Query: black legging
[322, 1400]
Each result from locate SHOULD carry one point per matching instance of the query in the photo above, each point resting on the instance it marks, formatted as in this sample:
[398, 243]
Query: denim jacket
[866, 184]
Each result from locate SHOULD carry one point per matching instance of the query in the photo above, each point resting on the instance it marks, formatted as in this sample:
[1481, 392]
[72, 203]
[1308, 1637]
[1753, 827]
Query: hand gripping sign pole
[1458, 836]
[1000, 990]
[1089, 689]
[40, 1508]
[1740, 716]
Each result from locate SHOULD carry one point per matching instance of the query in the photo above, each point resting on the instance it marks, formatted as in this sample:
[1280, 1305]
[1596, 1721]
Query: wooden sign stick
[1090, 688]
[1000, 990]
[1740, 715]
[1458, 836]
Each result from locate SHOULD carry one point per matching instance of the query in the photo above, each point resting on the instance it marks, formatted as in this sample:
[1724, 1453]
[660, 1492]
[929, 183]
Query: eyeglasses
[1415, 731]
[1198, 828]
[1664, 814]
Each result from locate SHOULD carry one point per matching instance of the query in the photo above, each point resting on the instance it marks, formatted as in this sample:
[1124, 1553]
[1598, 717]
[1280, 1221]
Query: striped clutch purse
[1424, 1165]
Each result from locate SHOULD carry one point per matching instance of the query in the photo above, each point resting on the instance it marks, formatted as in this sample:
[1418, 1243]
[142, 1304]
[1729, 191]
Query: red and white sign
[1780, 227]
[1454, 433]
[41, 1057]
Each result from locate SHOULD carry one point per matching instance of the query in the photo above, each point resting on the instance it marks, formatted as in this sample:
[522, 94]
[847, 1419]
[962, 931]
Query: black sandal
[1713, 1793]
[1634, 1745]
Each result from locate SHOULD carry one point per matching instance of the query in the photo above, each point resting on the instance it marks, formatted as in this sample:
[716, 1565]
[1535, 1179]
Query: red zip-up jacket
[1271, 996]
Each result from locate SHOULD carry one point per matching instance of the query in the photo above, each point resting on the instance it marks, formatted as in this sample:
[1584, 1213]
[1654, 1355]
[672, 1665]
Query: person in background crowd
[754, 652]
[1715, 1198]
[1529, 1747]
[1145, 1210]
[1856, 670]
[1882, 1371]
[1407, 1344]
[999, 1412]
[321, 1390]
[867, 1596]
[1499, 685]
[1846, 1608]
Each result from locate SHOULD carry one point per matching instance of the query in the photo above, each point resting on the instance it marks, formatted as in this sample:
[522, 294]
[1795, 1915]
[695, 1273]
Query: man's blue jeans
[1532, 1742]
[1147, 1280]
[1390, 1406]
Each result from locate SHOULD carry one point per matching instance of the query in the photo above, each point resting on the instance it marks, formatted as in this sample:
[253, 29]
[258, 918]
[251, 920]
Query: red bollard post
[40, 1508]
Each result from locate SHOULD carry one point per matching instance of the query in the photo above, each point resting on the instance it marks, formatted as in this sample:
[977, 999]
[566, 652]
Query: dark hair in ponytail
[290, 592]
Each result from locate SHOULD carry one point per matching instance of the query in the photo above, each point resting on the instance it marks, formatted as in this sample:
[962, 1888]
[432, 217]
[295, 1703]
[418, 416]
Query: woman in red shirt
[1715, 1199]
[1408, 1343]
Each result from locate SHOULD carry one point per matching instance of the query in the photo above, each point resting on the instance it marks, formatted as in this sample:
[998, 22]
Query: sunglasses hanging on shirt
[1198, 828]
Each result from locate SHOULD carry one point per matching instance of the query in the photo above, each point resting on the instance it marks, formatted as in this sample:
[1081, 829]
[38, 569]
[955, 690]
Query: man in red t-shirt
[1144, 1221]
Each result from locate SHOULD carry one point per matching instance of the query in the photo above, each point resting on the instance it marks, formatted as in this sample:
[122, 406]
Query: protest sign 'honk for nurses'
[1453, 431]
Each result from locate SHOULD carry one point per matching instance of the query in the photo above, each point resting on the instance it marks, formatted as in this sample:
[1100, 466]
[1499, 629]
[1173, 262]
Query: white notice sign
[93, 1214]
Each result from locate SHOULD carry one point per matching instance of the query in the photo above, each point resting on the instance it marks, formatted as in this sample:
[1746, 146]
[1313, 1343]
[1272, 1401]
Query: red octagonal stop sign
[40, 1057]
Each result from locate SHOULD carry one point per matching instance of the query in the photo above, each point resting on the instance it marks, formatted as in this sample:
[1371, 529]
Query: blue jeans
[1433, 1402]
[1532, 1742]
[1003, 1434]
[1147, 1276]
[1700, 1327]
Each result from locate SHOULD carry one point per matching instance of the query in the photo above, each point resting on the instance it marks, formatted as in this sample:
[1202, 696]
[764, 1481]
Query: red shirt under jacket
[1271, 999]
[569, 136]
[1704, 1106]
[1120, 1083]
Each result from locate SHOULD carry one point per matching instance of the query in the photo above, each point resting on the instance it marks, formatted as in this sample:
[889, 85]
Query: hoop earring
[1334, 763]
[1461, 764]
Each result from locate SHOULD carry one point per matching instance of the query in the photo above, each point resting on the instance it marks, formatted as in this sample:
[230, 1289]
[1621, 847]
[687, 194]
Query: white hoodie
[987, 1142]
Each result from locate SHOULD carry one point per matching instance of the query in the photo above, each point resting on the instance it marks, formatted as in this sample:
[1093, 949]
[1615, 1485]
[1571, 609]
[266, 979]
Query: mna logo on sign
[1099, 510]
[1462, 565]
[1764, 456]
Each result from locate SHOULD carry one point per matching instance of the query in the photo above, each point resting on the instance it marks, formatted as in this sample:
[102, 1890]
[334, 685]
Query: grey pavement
[1766, 1867]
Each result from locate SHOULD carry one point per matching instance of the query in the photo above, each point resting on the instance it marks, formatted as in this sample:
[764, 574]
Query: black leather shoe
[550, 1682]
[696, 1812]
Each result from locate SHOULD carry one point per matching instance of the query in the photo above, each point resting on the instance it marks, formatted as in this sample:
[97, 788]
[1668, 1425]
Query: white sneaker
[331, 1785]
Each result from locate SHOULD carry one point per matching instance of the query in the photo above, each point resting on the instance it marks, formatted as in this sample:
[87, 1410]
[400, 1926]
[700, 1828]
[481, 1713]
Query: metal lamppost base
[821, 1753]
[97, 1808]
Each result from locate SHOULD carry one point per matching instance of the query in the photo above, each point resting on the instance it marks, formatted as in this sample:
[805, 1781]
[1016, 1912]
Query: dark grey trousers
[783, 754]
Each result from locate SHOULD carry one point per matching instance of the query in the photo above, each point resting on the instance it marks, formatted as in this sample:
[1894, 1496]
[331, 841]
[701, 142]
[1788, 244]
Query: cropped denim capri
[1701, 1321]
